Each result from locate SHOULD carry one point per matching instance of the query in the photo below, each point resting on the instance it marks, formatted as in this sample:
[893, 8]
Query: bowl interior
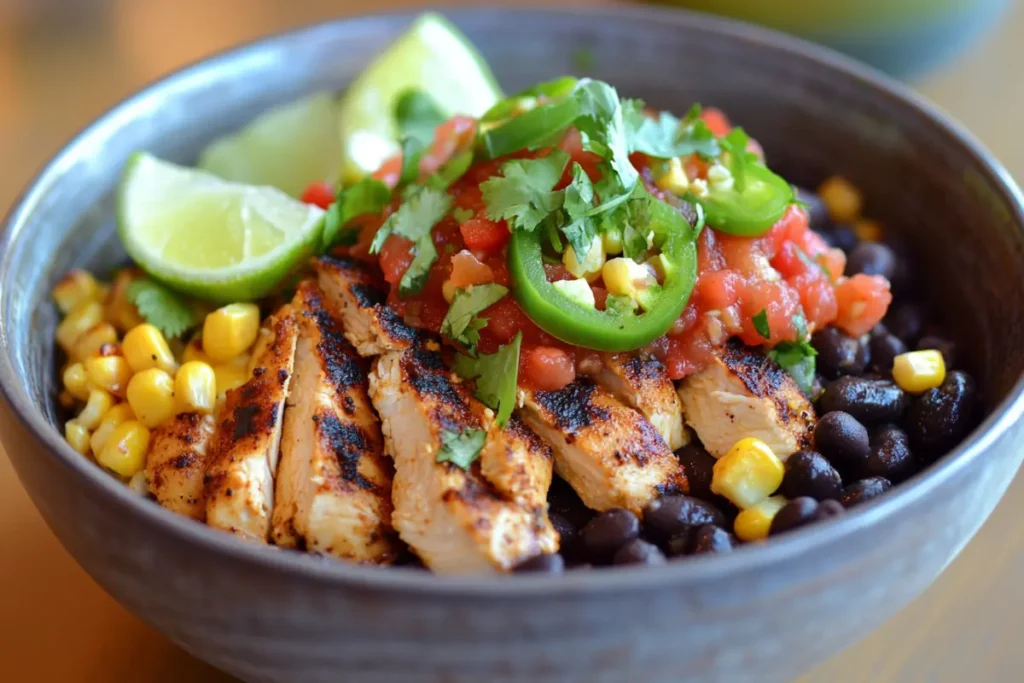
[953, 207]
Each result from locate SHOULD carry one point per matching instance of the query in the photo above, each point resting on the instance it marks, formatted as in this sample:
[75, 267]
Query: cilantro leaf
[797, 359]
[368, 196]
[578, 202]
[461, 323]
[451, 171]
[603, 129]
[412, 153]
[761, 324]
[697, 138]
[523, 195]
[164, 308]
[416, 274]
[496, 376]
[461, 448]
[415, 218]
[736, 144]
[417, 115]
[462, 215]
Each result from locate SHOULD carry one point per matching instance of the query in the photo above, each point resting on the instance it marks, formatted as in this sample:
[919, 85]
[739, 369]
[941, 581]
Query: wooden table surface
[57, 625]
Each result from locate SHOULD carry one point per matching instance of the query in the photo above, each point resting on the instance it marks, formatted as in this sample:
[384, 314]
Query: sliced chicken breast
[609, 453]
[358, 292]
[177, 461]
[333, 488]
[516, 462]
[744, 393]
[240, 482]
[642, 382]
[455, 519]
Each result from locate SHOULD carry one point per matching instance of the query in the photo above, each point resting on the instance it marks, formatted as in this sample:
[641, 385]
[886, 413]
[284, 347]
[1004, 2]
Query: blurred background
[63, 62]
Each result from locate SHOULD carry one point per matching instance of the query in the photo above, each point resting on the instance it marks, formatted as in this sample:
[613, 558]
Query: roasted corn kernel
[755, 522]
[65, 400]
[117, 415]
[230, 330]
[868, 230]
[96, 406]
[918, 371]
[85, 316]
[626, 277]
[230, 376]
[720, 178]
[118, 310]
[591, 265]
[145, 347]
[195, 388]
[674, 178]
[841, 198]
[110, 373]
[125, 450]
[611, 242]
[76, 381]
[748, 473]
[77, 435]
[90, 342]
[151, 396]
[74, 288]
[194, 351]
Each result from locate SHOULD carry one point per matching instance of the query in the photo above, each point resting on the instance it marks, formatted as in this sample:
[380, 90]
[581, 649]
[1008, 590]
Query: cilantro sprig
[462, 322]
[496, 377]
[461, 448]
[797, 358]
[417, 115]
[366, 197]
[162, 307]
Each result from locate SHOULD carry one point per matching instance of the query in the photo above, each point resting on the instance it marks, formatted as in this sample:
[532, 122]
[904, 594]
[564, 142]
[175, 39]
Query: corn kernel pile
[748, 474]
[123, 378]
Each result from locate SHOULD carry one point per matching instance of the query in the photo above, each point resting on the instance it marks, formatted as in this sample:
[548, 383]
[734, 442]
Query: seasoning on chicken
[361, 297]
[609, 453]
[516, 461]
[453, 518]
[743, 393]
[240, 483]
[333, 489]
[642, 382]
[177, 461]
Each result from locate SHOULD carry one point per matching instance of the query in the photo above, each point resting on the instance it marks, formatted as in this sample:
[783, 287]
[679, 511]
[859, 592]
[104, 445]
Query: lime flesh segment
[217, 240]
[432, 56]
[287, 147]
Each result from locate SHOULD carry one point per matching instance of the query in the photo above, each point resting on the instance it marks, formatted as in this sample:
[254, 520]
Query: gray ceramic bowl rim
[695, 570]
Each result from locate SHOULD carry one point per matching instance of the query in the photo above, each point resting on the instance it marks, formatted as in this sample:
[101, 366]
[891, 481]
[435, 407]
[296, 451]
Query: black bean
[698, 465]
[546, 564]
[864, 490]
[816, 209]
[639, 551]
[827, 509]
[680, 543]
[939, 418]
[843, 441]
[870, 401]
[884, 348]
[872, 258]
[608, 532]
[890, 455]
[711, 539]
[793, 514]
[670, 515]
[568, 534]
[838, 353]
[808, 473]
[906, 321]
[943, 346]
[841, 237]
[564, 501]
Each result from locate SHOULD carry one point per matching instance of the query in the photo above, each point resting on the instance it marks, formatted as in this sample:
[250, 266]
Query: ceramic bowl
[766, 612]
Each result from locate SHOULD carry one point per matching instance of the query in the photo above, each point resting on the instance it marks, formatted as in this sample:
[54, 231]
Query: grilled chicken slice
[360, 294]
[454, 519]
[240, 482]
[516, 462]
[744, 393]
[177, 461]
[333, 489]
[609, 453]
[642, 382]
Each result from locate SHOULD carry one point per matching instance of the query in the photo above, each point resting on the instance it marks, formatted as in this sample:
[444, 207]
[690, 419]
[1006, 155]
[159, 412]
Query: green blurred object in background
[904, 37]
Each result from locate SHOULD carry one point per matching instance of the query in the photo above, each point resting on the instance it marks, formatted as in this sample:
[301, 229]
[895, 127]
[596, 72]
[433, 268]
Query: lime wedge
[432, 56]
[217, 240]
[287, 147]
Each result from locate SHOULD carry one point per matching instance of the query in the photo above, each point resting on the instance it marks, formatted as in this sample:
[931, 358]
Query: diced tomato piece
[833, 261]
[467, 270]
[450, 138]
[792, 227]
[600, 297]
[817, 297]
[546, 368]
[718, 289]
[863, 301]
[716, 120]
[482, 234]
[395, 257]
[709, 252]
[556, 272]
[320, 193]
[781, 304]
[389, 171]
[573, 144]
